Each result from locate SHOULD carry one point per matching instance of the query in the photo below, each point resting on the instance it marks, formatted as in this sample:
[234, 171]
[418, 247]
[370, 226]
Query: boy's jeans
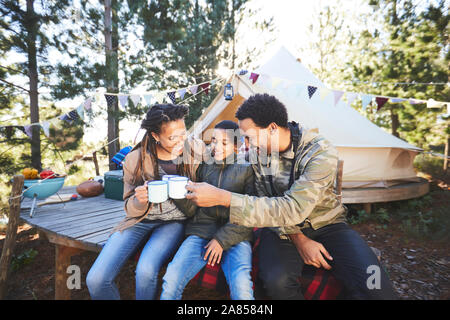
[188, 261]
[163, 242]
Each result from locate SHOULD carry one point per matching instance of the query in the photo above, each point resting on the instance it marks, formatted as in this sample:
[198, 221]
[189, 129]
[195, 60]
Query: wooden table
[73, 226]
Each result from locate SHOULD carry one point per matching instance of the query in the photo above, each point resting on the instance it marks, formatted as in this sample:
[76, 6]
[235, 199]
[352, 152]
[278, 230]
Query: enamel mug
[157, 191]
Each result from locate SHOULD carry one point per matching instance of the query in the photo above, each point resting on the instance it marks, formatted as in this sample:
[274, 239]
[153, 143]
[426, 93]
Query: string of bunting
[366, 98]
[145, 98]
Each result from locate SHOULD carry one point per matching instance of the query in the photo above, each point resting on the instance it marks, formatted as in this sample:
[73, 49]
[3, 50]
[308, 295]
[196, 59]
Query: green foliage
[23, 259]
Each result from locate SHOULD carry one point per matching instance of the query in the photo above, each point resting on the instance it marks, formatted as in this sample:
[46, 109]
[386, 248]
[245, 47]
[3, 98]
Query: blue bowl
[42, 188]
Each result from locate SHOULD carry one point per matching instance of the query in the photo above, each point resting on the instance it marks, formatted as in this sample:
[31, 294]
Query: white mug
[157, 191]
[177, 187]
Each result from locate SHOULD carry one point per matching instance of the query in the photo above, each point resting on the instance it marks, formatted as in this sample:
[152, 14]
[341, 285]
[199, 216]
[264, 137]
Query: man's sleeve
[297, 203]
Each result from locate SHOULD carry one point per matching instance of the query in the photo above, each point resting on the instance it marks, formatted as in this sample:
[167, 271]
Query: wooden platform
[395, 193]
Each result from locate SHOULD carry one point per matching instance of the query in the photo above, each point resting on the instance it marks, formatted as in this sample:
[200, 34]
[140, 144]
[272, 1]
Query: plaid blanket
[120, 156]
[317, 284]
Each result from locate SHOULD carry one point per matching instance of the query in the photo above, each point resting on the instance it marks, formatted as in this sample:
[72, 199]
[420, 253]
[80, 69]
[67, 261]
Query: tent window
[403, 160]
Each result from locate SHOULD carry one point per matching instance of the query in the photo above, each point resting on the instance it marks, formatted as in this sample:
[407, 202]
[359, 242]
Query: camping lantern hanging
[228, 92]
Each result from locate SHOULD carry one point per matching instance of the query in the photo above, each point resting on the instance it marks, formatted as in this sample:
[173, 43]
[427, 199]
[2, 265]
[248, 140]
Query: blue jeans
[165, 238]
[188, 261]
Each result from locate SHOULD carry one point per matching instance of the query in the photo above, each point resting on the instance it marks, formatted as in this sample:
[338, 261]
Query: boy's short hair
[232, 129]
[263, 109]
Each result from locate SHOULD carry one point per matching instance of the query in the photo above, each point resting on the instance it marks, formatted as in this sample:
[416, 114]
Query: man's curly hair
[263, 109]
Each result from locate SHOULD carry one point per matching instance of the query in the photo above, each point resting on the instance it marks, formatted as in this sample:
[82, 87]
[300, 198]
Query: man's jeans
[188, 261]
[164, 240]
[353, 264]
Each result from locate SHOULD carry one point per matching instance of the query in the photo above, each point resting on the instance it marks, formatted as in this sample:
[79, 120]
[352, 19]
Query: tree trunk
[32, 28]
[112, 78]
[395, 122]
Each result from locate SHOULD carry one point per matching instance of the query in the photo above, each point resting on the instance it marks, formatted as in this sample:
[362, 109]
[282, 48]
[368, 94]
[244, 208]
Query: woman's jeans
[165, 237]
[188, 261]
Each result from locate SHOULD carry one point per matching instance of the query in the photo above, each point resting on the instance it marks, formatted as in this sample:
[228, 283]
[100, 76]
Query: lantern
[228, 93]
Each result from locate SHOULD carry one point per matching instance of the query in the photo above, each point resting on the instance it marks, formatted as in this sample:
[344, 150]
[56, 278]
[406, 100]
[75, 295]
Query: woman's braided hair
[156, 116]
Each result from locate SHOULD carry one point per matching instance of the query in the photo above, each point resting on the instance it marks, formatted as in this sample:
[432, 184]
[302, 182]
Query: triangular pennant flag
[123, 99]
[171, 95]
[135, 98]
[87, 104]
[46, 126]
[29, 130]
[66, 118]
[431, 103]
[414, 101]
[275, 82]
[110, 100]
[366, 99]
[337, 96]
[351, 96]
[324, 92]
[253, 77]
[205, 87]
[380, 102]
[80, 111]
[73, 115]
[182, 92]
[159, 97]
[193, 89]
[148, 99]
[396, 100]
[311, 91]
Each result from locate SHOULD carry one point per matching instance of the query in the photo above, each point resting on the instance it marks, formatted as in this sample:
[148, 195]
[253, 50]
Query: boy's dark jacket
[213, 222]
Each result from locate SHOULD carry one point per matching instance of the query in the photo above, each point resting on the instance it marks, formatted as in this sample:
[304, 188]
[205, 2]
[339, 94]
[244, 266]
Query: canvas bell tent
[372, 157]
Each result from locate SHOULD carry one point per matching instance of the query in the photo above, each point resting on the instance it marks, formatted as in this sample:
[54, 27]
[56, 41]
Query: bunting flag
[110, 100]
[181, 93]
[254, 77]
[135, 98]
[242, 72]
[431, 103]
[73, 115]
[171, 95]
[148, 99]
[337, 96]
[123, 99]
[159, 97]
[80, 111]
[54, 122]
[380, 102]
[87, 104]
[65, 117]
[324, 92]
[414, 101]
[397, 100]
[46, 126]
[351, 96]
[193, 89]
[365, 99]
[29, 130]
[311, 91]
[205, 87]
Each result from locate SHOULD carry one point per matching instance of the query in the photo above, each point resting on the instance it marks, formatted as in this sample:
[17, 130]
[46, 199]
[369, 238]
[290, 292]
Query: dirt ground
[418, 269]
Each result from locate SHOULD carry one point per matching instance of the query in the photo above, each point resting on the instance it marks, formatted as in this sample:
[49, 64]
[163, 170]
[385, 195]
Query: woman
[164, 149]
[210, 235]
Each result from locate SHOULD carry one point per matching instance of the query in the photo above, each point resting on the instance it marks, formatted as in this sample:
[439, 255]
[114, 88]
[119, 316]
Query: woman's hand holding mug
[141, 194]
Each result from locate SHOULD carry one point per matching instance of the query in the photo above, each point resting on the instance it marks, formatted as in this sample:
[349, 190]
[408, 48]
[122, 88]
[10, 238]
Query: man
[302, 219]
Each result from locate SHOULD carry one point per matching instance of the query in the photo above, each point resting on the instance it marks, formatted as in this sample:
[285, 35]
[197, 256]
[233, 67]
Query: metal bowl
[42, 188]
